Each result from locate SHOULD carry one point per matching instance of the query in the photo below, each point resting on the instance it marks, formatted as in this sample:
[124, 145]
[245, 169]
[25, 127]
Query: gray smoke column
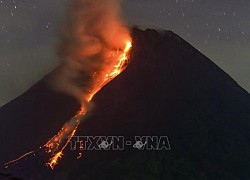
[94, 30]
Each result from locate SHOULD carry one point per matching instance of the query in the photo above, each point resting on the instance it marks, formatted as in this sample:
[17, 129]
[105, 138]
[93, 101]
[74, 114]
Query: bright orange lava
[57, 144]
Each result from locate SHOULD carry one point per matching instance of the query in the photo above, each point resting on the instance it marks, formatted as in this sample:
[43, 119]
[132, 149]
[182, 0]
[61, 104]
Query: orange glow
[57, 144]
[6, 165]
[80, 155]
[53, 161]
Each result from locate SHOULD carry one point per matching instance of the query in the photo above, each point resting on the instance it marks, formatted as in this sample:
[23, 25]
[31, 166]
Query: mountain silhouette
[169, 89]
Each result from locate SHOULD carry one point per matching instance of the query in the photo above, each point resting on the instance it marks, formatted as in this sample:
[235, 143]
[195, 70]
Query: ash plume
[93, 31]
[93, 51]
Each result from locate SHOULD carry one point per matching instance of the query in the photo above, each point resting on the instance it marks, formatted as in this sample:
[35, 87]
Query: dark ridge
[31, 119]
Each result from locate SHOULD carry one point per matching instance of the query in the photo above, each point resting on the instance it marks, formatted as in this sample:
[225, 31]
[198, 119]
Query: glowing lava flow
[58, 143]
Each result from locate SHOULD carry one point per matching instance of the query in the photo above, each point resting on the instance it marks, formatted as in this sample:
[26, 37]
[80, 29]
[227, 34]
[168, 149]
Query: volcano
[169, 89]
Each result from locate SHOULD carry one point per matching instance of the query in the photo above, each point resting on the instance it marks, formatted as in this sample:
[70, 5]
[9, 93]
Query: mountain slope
[31, 119]
[169, 89]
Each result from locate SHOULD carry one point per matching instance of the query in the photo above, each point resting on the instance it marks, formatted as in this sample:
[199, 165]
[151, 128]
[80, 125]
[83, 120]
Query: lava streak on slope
[59, 142]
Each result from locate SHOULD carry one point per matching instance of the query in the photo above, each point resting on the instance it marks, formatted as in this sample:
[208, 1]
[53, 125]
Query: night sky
[29, 32]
